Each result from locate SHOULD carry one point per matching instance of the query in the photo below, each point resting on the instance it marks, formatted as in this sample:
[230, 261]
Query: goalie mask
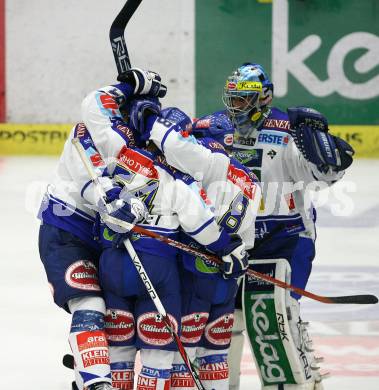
[247, 94]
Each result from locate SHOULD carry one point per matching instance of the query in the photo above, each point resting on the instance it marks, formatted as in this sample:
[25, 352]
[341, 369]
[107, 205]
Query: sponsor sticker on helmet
[231, 85]
[228, 139]
[152, 329]
[119, 325]
[249, 86]
[82, 275]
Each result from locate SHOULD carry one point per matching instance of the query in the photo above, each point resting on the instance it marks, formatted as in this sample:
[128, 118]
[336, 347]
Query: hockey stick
[117, 38]
[363, 299]
[214, 260]
[139, 267]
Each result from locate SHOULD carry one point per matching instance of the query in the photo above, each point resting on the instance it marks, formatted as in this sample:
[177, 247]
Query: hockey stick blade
[117, 38]
[68, 361]
[365, 299]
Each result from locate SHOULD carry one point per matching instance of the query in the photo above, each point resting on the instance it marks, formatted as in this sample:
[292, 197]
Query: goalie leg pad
[275, 331]
[235, 350]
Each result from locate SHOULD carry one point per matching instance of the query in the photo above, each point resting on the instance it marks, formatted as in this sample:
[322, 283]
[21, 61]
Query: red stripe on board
[2, 62]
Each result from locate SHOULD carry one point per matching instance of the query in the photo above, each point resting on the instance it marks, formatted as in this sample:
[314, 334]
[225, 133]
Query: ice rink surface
[34, 331]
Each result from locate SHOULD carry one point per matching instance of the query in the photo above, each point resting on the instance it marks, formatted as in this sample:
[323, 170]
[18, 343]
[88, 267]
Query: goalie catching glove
[123, 212]
[234, 258]
[145, 82]
[311, 135]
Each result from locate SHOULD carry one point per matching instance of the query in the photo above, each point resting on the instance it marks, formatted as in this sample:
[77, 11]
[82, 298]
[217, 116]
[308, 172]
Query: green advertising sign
[319, 53]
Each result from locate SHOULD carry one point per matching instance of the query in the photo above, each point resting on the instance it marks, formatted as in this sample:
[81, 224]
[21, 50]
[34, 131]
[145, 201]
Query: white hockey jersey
[64, 204]
[231, 188]
[286, 178]
[174, 200]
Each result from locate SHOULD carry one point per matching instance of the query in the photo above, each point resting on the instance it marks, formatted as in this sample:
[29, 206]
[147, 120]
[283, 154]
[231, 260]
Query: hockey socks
[89, 347]
[122, 366]
[214, 370]
[181, 379]
[156, 370]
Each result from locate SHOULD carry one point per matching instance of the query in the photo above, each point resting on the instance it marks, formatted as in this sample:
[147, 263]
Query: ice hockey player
[291, 154]
[102, 113]
[67, 248]
[208, 300]
[175, 201]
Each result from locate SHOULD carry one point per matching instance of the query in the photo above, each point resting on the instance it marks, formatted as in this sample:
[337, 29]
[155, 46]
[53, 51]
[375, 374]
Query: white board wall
[58, 50]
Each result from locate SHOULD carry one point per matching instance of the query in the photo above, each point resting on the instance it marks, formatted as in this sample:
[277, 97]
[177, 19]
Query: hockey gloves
[126, 211]
[311, 134]
[234, 258]
[145, 82]
[143, 114]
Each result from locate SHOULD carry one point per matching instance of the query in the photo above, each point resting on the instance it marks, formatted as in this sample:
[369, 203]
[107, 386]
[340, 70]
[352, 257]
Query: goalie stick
[140, 268]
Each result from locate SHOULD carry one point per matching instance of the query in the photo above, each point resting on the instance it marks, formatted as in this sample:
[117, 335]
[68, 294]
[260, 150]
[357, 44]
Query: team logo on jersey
[205, 266]
[193, 326]
[271, 153]
[249, 158]
[219, 331]
[152, 329]
[274, 138]
[119, 325]
[82, 275]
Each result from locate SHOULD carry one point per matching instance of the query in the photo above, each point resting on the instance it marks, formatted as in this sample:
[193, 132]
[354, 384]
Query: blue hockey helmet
[247, 92]
[217, 126]
[177, 116]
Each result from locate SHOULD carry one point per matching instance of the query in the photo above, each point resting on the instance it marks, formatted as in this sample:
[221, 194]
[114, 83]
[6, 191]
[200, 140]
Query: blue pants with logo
[70, 265]
[132, 317]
